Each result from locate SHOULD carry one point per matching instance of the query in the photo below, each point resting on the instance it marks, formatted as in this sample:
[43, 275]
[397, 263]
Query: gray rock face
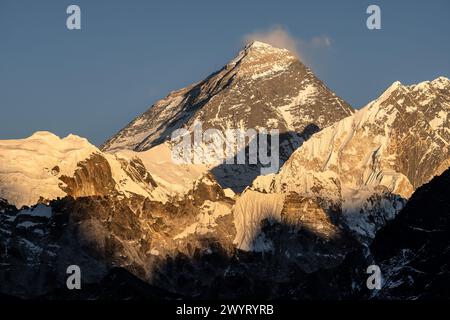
[420, 131]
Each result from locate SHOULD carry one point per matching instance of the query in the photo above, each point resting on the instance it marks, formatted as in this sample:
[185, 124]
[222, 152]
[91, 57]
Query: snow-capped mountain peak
[262, 48]
[259, 45]
[263, 87]
[422, 92]
[439, 83]
[259, 59]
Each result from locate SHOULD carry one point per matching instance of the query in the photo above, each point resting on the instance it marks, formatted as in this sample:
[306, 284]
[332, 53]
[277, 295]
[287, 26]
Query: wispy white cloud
[321, 42]
[276, 36]
[280, 37]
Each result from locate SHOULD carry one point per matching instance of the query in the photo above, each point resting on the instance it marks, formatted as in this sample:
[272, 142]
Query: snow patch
[250, 210]
[39, 211]
[31, 167]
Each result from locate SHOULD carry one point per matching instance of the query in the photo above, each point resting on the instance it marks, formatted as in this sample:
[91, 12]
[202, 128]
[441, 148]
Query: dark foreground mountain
[412, 251]
[118, 284]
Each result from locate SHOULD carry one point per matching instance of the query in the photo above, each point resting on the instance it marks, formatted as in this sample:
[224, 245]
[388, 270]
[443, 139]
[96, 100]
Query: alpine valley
[355, 188]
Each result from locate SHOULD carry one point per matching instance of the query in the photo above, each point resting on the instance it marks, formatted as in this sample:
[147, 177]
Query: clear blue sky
[131, 53]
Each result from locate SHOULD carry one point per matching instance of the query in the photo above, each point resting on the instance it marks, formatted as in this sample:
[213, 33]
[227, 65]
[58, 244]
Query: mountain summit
[262, 86]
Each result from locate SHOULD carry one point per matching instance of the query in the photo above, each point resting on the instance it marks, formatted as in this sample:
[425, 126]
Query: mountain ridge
[345, 175]
[385, 150]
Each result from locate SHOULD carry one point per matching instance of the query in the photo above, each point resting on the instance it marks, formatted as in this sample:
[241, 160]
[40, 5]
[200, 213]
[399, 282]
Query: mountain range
[356, 187]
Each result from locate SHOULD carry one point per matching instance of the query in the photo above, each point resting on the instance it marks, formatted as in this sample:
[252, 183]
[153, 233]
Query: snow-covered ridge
[438, 83]
[31, 167]
[174, 179]
[33, 170]
[393, 145]
[38, 168]
[372, 131]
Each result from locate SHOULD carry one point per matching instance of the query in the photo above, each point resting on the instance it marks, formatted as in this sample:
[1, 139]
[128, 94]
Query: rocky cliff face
[100, 232]
[412, 252]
